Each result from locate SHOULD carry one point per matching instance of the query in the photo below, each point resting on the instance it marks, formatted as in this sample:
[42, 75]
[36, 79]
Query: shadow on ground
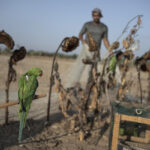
[9, 133]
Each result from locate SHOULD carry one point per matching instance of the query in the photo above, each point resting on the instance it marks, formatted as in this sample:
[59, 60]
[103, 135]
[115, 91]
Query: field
[39, 134]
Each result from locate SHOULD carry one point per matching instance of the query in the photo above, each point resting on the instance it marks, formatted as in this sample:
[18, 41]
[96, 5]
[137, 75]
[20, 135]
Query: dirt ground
[39, 134]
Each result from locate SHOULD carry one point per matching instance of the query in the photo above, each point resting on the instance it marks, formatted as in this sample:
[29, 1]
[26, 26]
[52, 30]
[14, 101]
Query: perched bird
[112, 63]
[27, 86]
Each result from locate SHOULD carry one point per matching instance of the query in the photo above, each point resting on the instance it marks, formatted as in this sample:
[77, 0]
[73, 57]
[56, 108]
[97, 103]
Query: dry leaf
[81, 135]
[131, 40]
[92, 44]
[6, 39]
[125, 44]
[114, 45]
[139, 20]
[133, 31]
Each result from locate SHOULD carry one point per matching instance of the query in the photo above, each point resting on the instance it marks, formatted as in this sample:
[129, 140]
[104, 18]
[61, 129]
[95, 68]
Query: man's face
[96, 16]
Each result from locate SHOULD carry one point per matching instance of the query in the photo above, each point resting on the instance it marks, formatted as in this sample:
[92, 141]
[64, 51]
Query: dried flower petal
[125, 44]
[92, 44]
[139, 20]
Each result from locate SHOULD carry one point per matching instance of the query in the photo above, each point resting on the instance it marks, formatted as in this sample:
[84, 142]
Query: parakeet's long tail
[22, 119]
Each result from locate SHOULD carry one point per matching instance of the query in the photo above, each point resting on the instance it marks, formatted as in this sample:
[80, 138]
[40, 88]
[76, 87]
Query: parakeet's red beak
[41, 74]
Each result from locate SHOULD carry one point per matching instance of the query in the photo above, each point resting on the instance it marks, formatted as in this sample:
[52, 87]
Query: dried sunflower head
[146, 56]
[128, 54]
[18, 54]
[133, 31]
[6, 39]
[145, 67]
[142, 64]
[70, 44]
[119, 55]
[114, 45]
[92, 44]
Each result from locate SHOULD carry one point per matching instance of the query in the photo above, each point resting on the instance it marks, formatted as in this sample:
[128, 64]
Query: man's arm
[106, 42]
[82, 32]
[107, 45]
[81, 38]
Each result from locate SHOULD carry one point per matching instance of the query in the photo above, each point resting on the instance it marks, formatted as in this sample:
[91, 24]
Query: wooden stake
[6, 105]
[116, 132]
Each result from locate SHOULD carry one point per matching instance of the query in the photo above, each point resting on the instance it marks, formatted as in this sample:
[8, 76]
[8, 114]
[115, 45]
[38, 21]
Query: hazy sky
[42, 24]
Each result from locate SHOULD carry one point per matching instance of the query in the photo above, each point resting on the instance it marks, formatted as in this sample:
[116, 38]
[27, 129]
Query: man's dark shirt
[98, 31]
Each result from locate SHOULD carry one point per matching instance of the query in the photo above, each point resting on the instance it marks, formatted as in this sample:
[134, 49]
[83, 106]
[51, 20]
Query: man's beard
[96, 21]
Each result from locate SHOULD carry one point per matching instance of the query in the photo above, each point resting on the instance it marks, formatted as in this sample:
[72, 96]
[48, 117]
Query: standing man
[96, 28]
[99, 32]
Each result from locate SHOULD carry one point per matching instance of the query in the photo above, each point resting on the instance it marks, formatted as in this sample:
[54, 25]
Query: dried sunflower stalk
[129, 40]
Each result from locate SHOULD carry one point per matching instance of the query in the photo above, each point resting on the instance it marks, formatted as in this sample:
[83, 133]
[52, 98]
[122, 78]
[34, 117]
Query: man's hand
[106, 43]
[113, 46]
[110, 52]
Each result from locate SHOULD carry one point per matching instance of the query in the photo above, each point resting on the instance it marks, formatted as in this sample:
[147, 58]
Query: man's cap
[97, 10]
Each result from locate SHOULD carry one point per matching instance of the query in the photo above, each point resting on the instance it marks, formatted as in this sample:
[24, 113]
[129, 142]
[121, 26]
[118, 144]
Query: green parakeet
[27, 86]
[112, 63]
